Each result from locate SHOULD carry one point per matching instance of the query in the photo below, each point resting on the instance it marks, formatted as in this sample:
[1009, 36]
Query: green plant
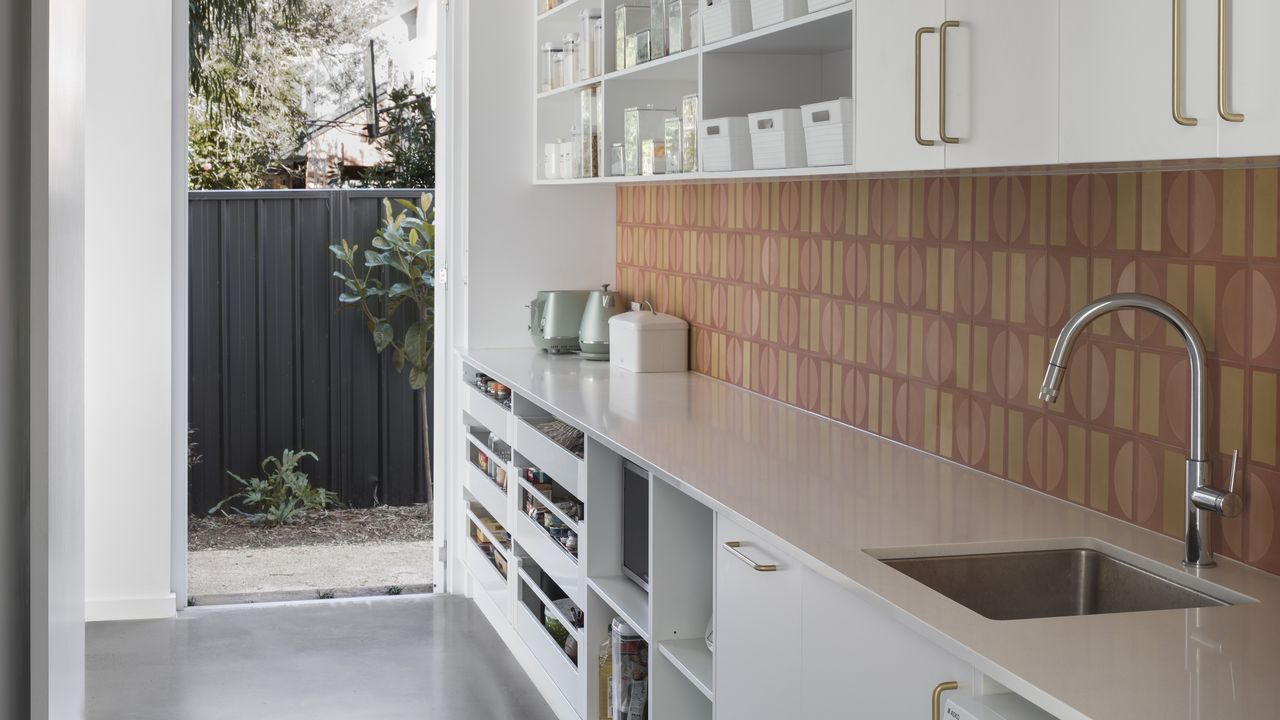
[399, 314]
[394, 590]
[284, 494]
[409, 141]
[324, 594]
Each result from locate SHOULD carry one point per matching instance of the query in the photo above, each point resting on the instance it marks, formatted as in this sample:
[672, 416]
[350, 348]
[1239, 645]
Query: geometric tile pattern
[921, 309]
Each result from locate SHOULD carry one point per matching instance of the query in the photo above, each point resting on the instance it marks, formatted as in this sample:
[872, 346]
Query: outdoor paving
[214, 574]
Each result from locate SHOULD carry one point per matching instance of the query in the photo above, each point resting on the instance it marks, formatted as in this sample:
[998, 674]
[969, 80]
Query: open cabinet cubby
[799, 61]
[528, 571]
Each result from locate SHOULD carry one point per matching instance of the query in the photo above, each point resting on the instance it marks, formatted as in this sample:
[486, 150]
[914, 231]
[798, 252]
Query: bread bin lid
[648, 321]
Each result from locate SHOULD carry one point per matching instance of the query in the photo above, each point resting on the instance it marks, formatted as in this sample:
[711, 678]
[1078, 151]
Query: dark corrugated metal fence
[277, 363]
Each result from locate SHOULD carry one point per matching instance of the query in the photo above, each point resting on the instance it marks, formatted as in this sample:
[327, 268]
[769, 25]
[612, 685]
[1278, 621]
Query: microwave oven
[635, 524]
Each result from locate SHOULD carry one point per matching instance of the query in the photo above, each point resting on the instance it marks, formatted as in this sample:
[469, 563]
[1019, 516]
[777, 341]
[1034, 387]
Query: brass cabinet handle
[942, 81]
[1178, 117]
[937, 696]
[1222, 66]
[919, 35]
[732, 547]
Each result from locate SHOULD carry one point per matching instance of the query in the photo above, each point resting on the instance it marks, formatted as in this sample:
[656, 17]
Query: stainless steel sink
[1050, 583]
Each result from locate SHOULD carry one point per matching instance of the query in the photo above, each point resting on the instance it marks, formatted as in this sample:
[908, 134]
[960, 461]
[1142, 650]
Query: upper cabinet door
[1121, 86]
[1001, 82]
[1250, 92]
[757, 627]
[897, 71]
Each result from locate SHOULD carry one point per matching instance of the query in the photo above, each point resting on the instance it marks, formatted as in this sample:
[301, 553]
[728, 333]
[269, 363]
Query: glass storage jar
[552, 66]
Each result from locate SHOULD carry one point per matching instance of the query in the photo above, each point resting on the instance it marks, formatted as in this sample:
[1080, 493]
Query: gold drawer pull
[942, 81]
[732, 547]
[919, 35]
[937, 697]
[1178, 117]
[1222, 66]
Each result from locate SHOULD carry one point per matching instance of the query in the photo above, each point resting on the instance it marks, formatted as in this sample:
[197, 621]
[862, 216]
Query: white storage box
[722, 19]
[828, 132]
[726, 144]
[772, 12]
[777, 139]
[816, 5]
[648, 341]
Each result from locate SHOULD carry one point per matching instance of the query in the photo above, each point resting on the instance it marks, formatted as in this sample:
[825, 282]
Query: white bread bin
[648, 341]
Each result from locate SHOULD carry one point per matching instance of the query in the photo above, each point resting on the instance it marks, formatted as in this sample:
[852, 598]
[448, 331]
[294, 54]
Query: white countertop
[832, 492]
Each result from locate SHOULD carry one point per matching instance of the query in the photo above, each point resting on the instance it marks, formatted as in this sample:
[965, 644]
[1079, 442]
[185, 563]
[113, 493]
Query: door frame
[55, 356]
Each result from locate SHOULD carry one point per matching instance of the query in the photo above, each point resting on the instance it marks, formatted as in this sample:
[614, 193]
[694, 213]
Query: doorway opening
[311, 251]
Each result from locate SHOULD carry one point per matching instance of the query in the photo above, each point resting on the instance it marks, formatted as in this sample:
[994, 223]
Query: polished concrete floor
[424, 657]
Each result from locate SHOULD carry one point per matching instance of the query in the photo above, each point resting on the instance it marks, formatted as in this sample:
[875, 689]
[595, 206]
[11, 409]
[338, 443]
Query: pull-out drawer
[553, 458]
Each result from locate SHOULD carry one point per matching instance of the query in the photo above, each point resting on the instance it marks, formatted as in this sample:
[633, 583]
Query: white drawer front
[488, 412]
[551, 658]
[553, 559]
[563, 466]
[488, 494]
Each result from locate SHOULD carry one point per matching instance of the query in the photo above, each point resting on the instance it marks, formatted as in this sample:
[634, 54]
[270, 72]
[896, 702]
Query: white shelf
[627, 599]
[795, 173]
[564, 9]
[826, 31]
[692, 658]
[681, 66]
[569, 89]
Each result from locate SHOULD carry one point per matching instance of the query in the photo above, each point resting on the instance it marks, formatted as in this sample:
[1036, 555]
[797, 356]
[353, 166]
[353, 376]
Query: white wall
[520, 238]
[504, 238]
[128, 310]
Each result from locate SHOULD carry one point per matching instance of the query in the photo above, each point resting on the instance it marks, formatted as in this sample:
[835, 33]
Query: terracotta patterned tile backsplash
[922, 309]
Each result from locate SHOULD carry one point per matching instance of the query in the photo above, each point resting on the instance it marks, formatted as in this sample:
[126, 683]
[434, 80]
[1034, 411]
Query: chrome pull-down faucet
[1202, 497]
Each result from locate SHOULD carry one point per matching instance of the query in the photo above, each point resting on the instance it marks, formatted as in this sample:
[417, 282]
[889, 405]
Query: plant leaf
[416, 341]
[417, 378]
[383, 334]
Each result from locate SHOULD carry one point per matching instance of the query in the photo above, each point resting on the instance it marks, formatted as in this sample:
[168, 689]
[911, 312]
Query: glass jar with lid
[552, 66]
[569, 63]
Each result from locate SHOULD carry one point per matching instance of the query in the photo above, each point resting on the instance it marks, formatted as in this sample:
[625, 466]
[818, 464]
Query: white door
[757, 671]
[1001, 82]
[888, 66]
[856, 656]
[1251, 90]
[1118, 80]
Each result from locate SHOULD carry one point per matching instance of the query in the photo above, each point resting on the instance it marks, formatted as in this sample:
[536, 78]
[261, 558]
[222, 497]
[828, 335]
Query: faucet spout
[1052, 384]
[1201, 497]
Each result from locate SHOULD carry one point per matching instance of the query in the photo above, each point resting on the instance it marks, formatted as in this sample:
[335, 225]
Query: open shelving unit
[525, 570]
[799, 61]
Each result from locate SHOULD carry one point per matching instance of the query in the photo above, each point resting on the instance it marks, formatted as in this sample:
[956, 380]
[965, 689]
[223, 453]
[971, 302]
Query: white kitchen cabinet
[1002, 83]
[859, 662]
[885, 90]
[757, 665]
[1252, 56]
[1118, 80]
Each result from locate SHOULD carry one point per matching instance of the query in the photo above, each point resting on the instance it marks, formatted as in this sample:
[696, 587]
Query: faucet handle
[1229, 503]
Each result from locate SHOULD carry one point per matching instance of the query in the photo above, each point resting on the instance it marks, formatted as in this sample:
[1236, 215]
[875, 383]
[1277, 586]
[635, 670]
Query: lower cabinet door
[860, 662]
[757, 663]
